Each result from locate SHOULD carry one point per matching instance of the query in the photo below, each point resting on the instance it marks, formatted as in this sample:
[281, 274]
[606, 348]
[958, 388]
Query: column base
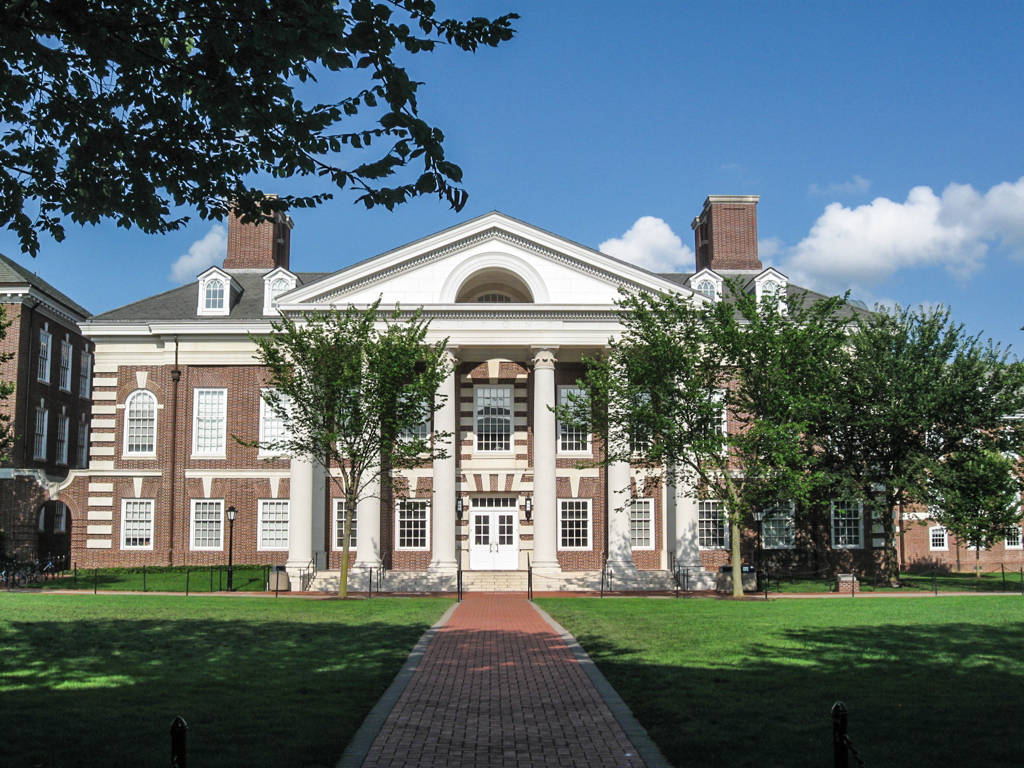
[546, 566]
[443, 567]
[622, 566]
[364, 564]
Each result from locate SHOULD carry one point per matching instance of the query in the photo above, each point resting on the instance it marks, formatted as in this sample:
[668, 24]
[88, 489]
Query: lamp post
[759, 517]
[528, 508]
[231, 545]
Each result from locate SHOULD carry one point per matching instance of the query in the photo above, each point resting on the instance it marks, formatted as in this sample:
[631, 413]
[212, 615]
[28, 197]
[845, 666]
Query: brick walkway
[498, 687]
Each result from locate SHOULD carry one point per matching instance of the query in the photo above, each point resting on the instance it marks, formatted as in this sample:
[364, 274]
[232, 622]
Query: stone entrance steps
[494, 581]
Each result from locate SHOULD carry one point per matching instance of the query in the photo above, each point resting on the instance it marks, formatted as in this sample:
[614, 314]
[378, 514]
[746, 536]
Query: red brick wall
[729, 230]
[264, 245]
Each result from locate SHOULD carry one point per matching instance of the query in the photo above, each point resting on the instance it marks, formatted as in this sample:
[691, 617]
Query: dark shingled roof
[180, 303]
[12, 273]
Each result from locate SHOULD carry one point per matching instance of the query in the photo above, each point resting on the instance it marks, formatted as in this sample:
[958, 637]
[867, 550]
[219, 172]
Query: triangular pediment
[469, 263]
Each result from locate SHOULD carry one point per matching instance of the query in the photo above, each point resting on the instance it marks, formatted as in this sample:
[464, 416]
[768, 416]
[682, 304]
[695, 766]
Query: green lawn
[720, 683]
[96, 680]
[917, 582]
[246, 578]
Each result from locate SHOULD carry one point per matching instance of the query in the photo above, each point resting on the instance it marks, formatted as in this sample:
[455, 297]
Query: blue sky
[883, 138]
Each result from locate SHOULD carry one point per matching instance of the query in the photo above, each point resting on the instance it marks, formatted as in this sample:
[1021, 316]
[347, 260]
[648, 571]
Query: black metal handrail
[529, 579]
[458, 583]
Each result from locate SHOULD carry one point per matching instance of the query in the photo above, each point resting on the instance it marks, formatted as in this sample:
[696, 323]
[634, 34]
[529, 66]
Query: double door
[493, 534]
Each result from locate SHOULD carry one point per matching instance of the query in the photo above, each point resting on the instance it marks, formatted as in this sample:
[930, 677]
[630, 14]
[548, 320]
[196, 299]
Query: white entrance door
[493, 538]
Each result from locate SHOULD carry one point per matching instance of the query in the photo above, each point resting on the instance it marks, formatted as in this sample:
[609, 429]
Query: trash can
[279, 581]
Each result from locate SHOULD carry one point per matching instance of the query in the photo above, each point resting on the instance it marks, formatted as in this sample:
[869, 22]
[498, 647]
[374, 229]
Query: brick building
[50, 364]
[520, 307]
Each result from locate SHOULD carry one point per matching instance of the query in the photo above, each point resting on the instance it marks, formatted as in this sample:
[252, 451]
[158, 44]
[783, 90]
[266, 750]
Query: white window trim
[60, 519]
[82, 447]
[428, 533]
[707, 274]
[265, 411]
[43, 371]
[792, 518]
[512, 422]
[726, 531]
[38, 444]
[558, 426]
[259, 525]
[945, 538]
[205, 279]
[67, 354]
[196, 453]
[63, 434]
[269, 279]
[335, 506]
[192, 526]
[590, 526]
[771, 275]
[127, 412]
[832, 525]
[85, 375]
[649, 500]
[1015, 546]
[152, 523]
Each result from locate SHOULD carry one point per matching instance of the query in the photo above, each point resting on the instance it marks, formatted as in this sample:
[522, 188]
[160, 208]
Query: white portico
[519, 308]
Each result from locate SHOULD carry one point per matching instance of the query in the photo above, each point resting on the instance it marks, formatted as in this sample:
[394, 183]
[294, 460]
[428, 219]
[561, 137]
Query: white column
[300, 515]
[620, 554]
[685, 528]
[318, 514]
[545, 514]
[368, 527]
[442, 508]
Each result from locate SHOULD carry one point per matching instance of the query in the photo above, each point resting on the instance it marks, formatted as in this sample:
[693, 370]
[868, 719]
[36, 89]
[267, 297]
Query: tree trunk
[891, 563]
[737, 565]
[346, 535]
[977, 563]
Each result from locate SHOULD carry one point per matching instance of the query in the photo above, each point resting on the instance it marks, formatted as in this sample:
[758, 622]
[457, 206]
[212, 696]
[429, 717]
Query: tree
[351, 387]
[917, 389]
[975, 495]
[684, 367]
[122, 109]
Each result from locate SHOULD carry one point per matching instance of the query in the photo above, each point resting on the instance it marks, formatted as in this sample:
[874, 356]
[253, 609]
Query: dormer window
[770, 289]
[276, 283]
[217, 292]
[214, 295]
[707, 283]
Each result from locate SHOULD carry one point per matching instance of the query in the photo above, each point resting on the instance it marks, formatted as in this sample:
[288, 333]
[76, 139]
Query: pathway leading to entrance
[498, 686]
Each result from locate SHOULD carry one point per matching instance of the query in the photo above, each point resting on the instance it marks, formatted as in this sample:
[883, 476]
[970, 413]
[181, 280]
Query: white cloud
[858, 185]
[768, 248]
[866, 244]
[204, 252]
[651, 244]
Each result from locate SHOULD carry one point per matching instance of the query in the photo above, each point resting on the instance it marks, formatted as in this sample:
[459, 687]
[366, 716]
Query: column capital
[544, 357]
[451, 356]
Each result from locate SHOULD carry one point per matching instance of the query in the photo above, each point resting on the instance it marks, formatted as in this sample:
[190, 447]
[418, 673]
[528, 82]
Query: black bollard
[840, 754]
[179, 734]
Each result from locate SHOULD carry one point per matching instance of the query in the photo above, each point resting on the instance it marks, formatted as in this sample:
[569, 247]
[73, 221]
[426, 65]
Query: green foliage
[916, 389]
[682, 361]
[351, 386]
[975, 496]
[6, 390]
[122, 109]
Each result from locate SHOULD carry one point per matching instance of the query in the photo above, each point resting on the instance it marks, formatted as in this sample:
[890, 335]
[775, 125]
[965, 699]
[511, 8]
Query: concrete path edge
[357, 749]
[636, 733]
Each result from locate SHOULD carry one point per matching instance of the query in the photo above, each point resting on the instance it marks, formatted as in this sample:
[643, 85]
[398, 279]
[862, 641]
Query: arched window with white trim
[214, 295]
[708, 288]
[140, 424]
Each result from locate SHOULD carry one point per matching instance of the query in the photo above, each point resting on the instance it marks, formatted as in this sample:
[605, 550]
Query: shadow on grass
[104, 692]
[932, 695]
[210, 579]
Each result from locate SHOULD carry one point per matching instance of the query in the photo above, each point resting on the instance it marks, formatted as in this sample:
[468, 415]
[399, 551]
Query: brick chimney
[725, 233]
[264, 245]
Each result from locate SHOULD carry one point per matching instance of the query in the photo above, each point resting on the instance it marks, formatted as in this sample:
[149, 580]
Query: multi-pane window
[85, 376]
[273, 523]
[572, 437]
[272, 426]
[140, 424]
[339, 526]
[39, 436]
[1013, 539]
[137, 524]
[66, 352]
[209, 422]
[207, 524]
[413, 524]
[712, 530]
[214, 298]
[277, 287]
[62, 439]
[45, 342]
[83, 442]
[421, 429]
[60, 518]
[707, 288]
[493, 408]
[847, 524]
[938, 539]
[778, 529]
[574, 524]
[641, 524]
